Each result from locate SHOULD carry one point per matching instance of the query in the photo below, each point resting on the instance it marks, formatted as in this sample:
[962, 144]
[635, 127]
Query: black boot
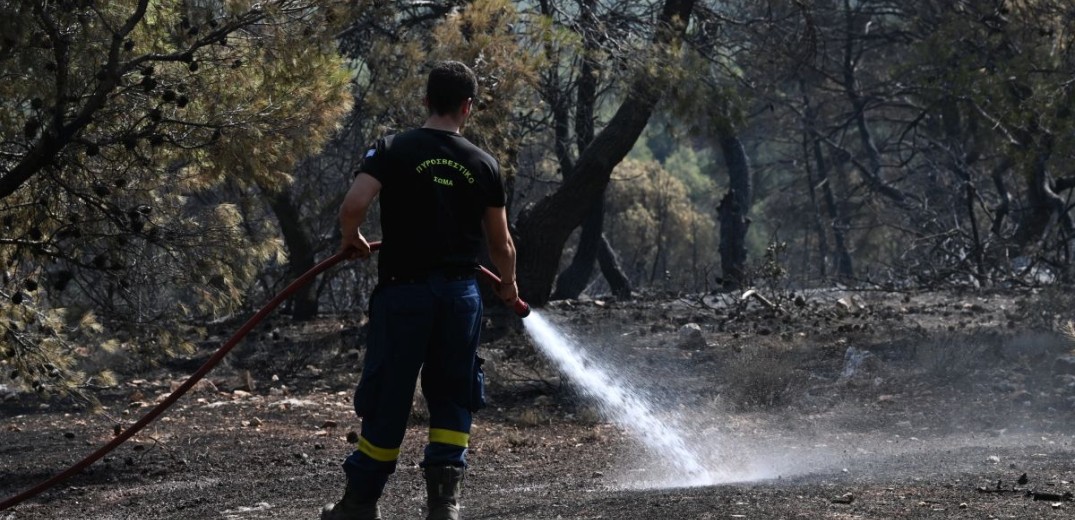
[350, 507]
[443, 484]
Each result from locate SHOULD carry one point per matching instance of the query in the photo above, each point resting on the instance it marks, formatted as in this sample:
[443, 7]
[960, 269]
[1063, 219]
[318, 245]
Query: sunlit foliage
[128, 131]
[666, 240]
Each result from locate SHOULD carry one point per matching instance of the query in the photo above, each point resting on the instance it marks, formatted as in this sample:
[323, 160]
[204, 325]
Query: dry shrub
[759, 378]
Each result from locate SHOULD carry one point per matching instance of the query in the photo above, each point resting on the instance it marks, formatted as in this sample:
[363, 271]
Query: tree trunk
[1003, 209]
[300, 254]
[573, 280]
[840, 223]
[841, 256]
[1045, 206]
[732, 213]
[612, 270]
[545, 228]
[812, 186]
[733, 250]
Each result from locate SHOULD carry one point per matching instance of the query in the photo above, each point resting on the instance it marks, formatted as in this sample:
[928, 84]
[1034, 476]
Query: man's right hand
[508, 292]
[356, 247]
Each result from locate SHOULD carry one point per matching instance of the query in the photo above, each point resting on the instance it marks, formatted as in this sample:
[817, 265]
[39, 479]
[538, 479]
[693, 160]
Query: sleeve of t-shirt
[497, 197]
[375, 161]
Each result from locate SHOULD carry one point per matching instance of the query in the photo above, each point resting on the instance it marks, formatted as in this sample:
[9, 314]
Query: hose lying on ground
[521, 308]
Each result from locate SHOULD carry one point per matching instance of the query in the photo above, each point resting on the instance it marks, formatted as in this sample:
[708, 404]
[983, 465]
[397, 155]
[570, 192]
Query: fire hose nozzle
[522, 309]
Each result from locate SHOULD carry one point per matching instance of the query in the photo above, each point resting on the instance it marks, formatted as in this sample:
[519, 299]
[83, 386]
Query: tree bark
[734, 222]
[545, 228]
[1004, 208]
[1046, 207]
[300, 254]
[573, 280]
[733, 250]
[612, 270]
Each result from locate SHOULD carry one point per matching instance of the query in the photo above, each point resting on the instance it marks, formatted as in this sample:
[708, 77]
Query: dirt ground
[819, 405]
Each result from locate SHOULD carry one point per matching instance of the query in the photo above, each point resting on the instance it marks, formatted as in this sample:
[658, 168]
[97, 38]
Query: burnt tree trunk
[544, 229]
[574, 279]
[732, 213]
[733, 249]
[812, 186]
[1046, 208]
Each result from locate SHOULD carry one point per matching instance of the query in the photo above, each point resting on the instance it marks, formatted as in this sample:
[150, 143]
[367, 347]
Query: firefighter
[439, 195]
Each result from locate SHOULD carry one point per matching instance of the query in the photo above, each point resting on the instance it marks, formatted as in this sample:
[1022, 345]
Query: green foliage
[129, 130]
[695, 169]
[664, 238]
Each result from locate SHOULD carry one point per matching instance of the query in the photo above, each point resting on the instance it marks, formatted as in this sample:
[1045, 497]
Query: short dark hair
[450, 84]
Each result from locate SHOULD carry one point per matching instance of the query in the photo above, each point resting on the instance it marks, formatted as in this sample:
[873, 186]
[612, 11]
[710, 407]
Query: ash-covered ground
[826, 404]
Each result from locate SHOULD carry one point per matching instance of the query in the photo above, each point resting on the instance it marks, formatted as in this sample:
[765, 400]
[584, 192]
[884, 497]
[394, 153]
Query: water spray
[520, 307]
[624, 405]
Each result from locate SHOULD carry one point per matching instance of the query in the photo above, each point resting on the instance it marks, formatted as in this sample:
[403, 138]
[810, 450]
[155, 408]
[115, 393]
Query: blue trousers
[432, 327]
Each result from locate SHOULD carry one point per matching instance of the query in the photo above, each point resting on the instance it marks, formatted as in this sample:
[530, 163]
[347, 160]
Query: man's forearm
[503, 257]
[350, 221]
[355, 203]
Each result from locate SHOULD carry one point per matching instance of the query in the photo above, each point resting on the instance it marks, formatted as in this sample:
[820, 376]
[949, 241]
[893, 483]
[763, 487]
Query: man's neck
[446, 123]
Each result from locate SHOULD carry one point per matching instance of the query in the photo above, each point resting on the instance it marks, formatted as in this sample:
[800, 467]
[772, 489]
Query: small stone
[597, 474]
[329, 424]
[993, 459]
[352, 437]
[963, 505]
[69, 435]
[845, 498]
[255, 422]
[690, 337]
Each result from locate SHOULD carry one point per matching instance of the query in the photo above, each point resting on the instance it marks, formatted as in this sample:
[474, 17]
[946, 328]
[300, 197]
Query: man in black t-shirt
[438, 193]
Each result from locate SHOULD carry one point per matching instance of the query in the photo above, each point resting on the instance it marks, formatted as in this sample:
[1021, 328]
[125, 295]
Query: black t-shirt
[435, 187]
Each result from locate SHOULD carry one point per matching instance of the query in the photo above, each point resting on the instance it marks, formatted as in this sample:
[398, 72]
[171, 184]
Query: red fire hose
[521, 308]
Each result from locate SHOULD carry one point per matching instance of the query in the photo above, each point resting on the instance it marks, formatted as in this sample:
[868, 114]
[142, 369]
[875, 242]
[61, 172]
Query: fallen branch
[751, 293]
